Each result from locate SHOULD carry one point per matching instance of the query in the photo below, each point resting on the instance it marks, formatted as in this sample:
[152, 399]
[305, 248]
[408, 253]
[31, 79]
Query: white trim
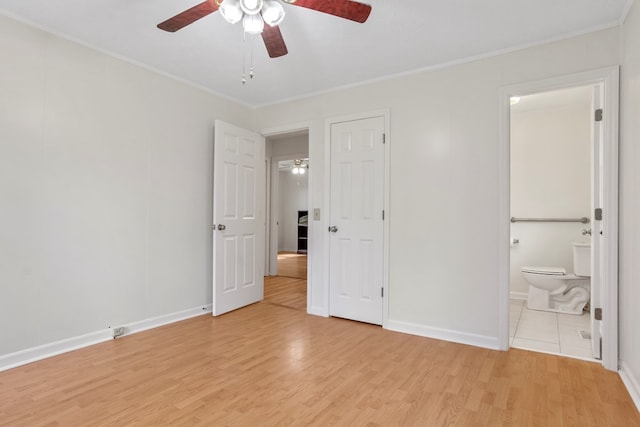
[326, 252]
[387, 218]
[610, 204]
[256, 106]
[40, 352]
[284, 129]
[625, 12]
[444, 65]
[631, 383]
[44, 351]
[386, 114]
[269, 268]
[126, 59]
[518, 295]
[504, 214]
[444, 334]
[165, 319]
[609, 77]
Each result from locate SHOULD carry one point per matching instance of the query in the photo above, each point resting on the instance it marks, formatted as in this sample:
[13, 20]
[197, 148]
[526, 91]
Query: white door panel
[357, 202]
[238, 218]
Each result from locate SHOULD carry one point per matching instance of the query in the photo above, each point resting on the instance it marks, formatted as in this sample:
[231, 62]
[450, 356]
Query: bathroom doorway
[550, 211]
[560, 142]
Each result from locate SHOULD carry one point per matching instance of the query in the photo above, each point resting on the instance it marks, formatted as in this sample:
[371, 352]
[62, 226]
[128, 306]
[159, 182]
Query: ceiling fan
[255, 13]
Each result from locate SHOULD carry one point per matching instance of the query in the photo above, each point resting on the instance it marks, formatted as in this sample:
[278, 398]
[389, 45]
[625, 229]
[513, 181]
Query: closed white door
[356, 218]
[597, 187]
[238, 218]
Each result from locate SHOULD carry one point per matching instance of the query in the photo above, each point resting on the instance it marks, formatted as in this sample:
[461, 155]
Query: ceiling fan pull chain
[251, 66]
[244, 59]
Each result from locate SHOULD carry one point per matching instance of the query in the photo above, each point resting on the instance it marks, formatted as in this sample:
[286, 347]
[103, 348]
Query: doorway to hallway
[292, 264]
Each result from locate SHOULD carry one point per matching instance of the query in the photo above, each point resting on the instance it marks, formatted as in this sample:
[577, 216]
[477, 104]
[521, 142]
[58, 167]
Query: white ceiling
[325, 52]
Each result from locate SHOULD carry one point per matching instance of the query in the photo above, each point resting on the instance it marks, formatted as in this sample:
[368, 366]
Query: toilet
[552, 289]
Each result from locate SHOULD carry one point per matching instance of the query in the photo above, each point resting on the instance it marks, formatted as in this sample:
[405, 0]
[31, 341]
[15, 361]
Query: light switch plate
[316, 214]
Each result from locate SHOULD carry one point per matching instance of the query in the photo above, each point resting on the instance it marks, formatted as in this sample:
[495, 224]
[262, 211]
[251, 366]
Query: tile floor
[548, 332]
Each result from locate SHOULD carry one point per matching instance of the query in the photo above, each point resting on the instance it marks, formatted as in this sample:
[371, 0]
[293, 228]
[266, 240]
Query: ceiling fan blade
[274, 42]
[189, 16]
[347, 9]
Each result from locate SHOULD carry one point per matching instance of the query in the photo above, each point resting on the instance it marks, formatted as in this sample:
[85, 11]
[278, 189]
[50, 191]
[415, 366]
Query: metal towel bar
[583, 220]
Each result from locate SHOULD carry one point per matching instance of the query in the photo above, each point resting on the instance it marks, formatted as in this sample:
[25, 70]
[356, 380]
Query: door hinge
[383, 215]
[598, 115]
[382, 292]
[598, 214]
[597, 314]
[384, 138]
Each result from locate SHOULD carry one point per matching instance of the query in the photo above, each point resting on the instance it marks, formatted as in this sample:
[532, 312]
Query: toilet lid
[550, 271]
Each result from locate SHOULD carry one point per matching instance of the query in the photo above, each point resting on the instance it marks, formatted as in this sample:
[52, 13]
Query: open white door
[357, 230]
[238, 218]
[597, 188]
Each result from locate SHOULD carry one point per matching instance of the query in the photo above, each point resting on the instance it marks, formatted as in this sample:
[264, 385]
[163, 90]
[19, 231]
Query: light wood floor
[291, 264]
[272, 364]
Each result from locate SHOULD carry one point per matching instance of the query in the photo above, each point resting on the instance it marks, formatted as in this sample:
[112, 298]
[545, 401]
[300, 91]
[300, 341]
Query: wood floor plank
[292, 264]
[272, 364]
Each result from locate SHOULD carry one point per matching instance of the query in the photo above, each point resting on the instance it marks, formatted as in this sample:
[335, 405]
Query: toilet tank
[582, 259]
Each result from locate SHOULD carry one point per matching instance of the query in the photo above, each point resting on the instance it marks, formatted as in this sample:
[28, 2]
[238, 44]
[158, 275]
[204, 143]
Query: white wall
[294, 196]
[550, 178]
[630, 203]
[105, 185]
[295, 146]
[105, 190]
[443, 180]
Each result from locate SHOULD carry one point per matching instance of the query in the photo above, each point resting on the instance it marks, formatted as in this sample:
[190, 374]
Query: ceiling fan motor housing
[251, 7]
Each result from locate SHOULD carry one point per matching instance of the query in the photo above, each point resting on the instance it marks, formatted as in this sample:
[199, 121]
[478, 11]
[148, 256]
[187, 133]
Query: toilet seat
[548, 271]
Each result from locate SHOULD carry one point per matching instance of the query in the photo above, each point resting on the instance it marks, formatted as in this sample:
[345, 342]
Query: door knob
[333, 229]
[222, 227]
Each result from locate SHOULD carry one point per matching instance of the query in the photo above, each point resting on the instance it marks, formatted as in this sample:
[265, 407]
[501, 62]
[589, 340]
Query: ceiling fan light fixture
[251, 7]
[253, 24]
[231, 11]
[272, 12]
[299, 167]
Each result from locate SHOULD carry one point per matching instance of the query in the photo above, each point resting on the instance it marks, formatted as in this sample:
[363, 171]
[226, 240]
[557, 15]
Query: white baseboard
[632, 384]
[44, 351]
[444, 334]
[40, 352]
[165, 319]
[518, 295]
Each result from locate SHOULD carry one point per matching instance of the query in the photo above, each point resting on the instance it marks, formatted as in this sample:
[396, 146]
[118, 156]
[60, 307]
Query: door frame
[272, 224]
[609, 78]
[281, 130]
[386, 114]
